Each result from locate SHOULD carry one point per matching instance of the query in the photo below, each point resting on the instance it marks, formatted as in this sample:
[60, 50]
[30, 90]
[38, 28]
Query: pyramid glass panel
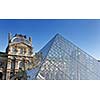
[62, 60]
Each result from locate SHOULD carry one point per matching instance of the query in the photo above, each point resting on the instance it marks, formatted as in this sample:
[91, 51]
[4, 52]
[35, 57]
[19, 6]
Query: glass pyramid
[62, 60]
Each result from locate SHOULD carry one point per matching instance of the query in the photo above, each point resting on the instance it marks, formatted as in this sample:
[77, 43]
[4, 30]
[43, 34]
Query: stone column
[3, 77]
[4, 74]
[8, 70]
[16, 66]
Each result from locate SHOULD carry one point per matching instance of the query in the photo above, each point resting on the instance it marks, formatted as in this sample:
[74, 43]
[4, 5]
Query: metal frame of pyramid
[62, 60]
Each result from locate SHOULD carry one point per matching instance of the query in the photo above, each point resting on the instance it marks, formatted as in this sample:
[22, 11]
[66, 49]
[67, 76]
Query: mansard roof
[17, 38]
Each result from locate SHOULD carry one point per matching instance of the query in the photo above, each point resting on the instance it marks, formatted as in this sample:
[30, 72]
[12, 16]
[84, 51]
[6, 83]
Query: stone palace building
[18, 55]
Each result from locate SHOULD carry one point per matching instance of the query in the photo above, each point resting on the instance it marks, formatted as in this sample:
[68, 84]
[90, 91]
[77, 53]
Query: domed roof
[20, 38]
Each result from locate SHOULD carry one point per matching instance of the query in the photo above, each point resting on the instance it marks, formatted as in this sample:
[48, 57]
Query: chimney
[30, 39]
[9, 37]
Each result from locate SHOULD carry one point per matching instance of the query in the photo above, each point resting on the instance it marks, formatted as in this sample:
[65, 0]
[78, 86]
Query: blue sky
[84, 33]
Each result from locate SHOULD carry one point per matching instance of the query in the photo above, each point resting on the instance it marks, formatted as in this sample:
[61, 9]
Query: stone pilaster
[16, 66]
[8, 70]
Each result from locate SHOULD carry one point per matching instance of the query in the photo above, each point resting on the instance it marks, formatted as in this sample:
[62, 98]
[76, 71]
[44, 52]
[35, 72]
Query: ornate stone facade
[3, 64]
[18, 56]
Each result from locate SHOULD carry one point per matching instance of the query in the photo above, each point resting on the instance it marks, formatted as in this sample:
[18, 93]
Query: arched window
[14, 50]
[12, 64]
[0, 64]
[21, 50]
[1, 75]
[21, 64]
